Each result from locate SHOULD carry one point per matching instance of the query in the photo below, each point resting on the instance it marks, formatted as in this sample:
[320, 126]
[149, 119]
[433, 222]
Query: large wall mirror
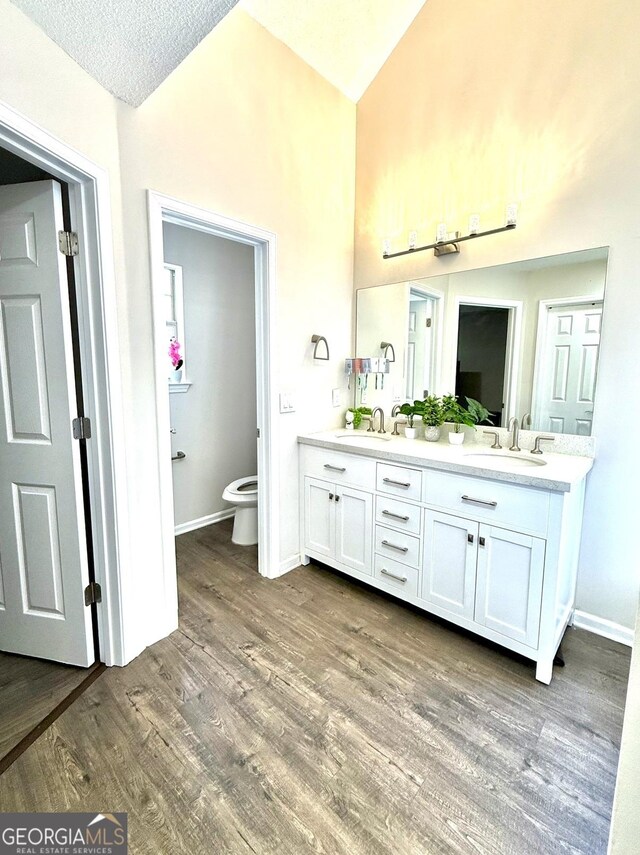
[522, 338]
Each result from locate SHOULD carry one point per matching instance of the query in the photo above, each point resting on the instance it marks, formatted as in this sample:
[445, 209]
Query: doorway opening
[488, 354]
[422, 344]
[227, 364]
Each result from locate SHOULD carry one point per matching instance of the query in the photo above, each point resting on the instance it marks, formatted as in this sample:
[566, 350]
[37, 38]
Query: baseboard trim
[192, 525]
[286, 566]
[606, 628]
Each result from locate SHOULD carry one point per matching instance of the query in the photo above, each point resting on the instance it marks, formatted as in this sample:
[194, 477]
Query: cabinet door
[354, 529]
[319, 517]
[509, 584]
[449, 566]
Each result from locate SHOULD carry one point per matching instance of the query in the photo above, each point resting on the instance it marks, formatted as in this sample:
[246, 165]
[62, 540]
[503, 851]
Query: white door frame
[539, 366]
[166, 209]
[89, 202]
[513, 349]
[437, 337]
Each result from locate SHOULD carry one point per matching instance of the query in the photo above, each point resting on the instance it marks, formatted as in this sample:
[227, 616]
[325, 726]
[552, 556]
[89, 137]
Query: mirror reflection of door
[570, 363]
[420, 374]
[481, 365]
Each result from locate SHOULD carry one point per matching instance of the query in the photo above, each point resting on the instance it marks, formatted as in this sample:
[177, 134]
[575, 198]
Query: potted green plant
[456, 413]
[433, 417]
[478, 412]
[354, 416]
[411, 411]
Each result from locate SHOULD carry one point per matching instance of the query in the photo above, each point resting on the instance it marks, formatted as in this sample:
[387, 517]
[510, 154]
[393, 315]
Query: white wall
[532, 104]
[215, 420]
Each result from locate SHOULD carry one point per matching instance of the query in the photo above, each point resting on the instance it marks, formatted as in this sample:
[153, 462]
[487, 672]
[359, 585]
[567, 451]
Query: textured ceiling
[346, 41]
[128, 46]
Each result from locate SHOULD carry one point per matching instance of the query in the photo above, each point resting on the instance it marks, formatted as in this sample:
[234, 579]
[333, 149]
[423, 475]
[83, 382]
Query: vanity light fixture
[446, 244]
[316, 339]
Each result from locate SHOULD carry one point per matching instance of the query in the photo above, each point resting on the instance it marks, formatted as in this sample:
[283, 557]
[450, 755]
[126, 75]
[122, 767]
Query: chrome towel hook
[385, 345]
[316, 339]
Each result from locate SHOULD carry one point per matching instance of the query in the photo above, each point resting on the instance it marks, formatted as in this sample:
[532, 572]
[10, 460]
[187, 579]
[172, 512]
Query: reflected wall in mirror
[521, 338]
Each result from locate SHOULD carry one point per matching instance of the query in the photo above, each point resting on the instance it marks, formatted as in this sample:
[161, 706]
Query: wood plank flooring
[29, 690]
[312, 715]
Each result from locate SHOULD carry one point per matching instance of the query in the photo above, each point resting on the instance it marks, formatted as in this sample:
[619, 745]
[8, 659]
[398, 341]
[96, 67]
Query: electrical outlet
[335, 397]
[364, 397]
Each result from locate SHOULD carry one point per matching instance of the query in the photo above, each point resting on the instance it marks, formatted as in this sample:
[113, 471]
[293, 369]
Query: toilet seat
[244, 486]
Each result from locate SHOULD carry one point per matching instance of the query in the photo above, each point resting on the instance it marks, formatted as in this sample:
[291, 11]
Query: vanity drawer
[508, 505]
[399, 514]
[398, 546]
[395, 577]
[399, 481]
[339, 468]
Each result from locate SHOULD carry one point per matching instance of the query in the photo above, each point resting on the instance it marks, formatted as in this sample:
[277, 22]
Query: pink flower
[174, 352]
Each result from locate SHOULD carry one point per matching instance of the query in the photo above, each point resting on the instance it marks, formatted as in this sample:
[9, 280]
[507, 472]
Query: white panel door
[319, 517]
[572, 345]
[354, 529]
[509, 583]
[449, 566]
[43, 552]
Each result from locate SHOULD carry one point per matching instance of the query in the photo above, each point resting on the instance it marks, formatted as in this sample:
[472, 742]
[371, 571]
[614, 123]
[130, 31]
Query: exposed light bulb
[386, 246]
[413, 240]
[512, 214]
[474, 224]
[441, 233]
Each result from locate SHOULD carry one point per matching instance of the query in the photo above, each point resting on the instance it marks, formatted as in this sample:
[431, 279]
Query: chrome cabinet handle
[335, 468]
[396, 483]
[393, 575]
[393, 546]
[469, 538]
[481, 540]
[395, 516]
[479, 501]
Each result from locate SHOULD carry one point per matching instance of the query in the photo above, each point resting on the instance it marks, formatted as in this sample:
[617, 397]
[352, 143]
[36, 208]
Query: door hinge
[258, 432]
[92, 594]
[68, 243]
[428, 322]
[81, 428]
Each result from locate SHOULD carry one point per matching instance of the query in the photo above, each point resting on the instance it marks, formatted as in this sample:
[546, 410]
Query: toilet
[243, 493]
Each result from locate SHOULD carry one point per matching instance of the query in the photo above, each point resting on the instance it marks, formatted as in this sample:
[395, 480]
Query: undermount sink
[506, 460]
[359, 435]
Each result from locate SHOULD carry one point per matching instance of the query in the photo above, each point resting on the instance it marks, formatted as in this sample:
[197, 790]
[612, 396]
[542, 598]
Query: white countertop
[560, 472]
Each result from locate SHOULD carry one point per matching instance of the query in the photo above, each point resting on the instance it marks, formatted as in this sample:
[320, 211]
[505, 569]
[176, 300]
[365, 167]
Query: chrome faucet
[515, 435]
[525, 420]
[396, 409]
[373, 416]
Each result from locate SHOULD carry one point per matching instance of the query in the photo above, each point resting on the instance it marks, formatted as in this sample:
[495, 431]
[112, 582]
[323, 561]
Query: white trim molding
[164, 209]
[90, 210]
[603, 627]
[289, 564]
[201, 522]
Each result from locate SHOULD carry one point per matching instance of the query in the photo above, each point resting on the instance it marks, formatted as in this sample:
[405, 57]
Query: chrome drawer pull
[479, 501]
[393, 575]
[393, 546]
[396, 483]
[335, 468]
[395, 516]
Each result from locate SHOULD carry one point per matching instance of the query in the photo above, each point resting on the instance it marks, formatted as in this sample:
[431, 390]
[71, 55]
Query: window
[174, 319]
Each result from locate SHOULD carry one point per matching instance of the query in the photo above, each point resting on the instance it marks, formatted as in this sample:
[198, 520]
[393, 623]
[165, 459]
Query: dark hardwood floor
[29, 690]
[312, 715]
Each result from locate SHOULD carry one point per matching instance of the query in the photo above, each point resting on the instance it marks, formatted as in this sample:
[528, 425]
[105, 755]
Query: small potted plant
[433, 417]
[411, 411]
[478, 412]
[176, 359]
[354, 416]
[456, 413]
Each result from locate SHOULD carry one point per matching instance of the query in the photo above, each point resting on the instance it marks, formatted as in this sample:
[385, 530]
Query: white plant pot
[176, 375]
[456, 438]
[432, 433]
[410, 433]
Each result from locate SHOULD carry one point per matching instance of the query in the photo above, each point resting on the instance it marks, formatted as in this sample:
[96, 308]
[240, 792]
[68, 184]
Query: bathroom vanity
[485, 539]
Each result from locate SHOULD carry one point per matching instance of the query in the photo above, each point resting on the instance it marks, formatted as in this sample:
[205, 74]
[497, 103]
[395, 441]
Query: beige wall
[245, 129]
[483, 104]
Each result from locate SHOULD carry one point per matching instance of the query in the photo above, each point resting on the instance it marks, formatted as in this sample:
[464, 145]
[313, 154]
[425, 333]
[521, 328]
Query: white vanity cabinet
[495, 554]
[338, 515]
